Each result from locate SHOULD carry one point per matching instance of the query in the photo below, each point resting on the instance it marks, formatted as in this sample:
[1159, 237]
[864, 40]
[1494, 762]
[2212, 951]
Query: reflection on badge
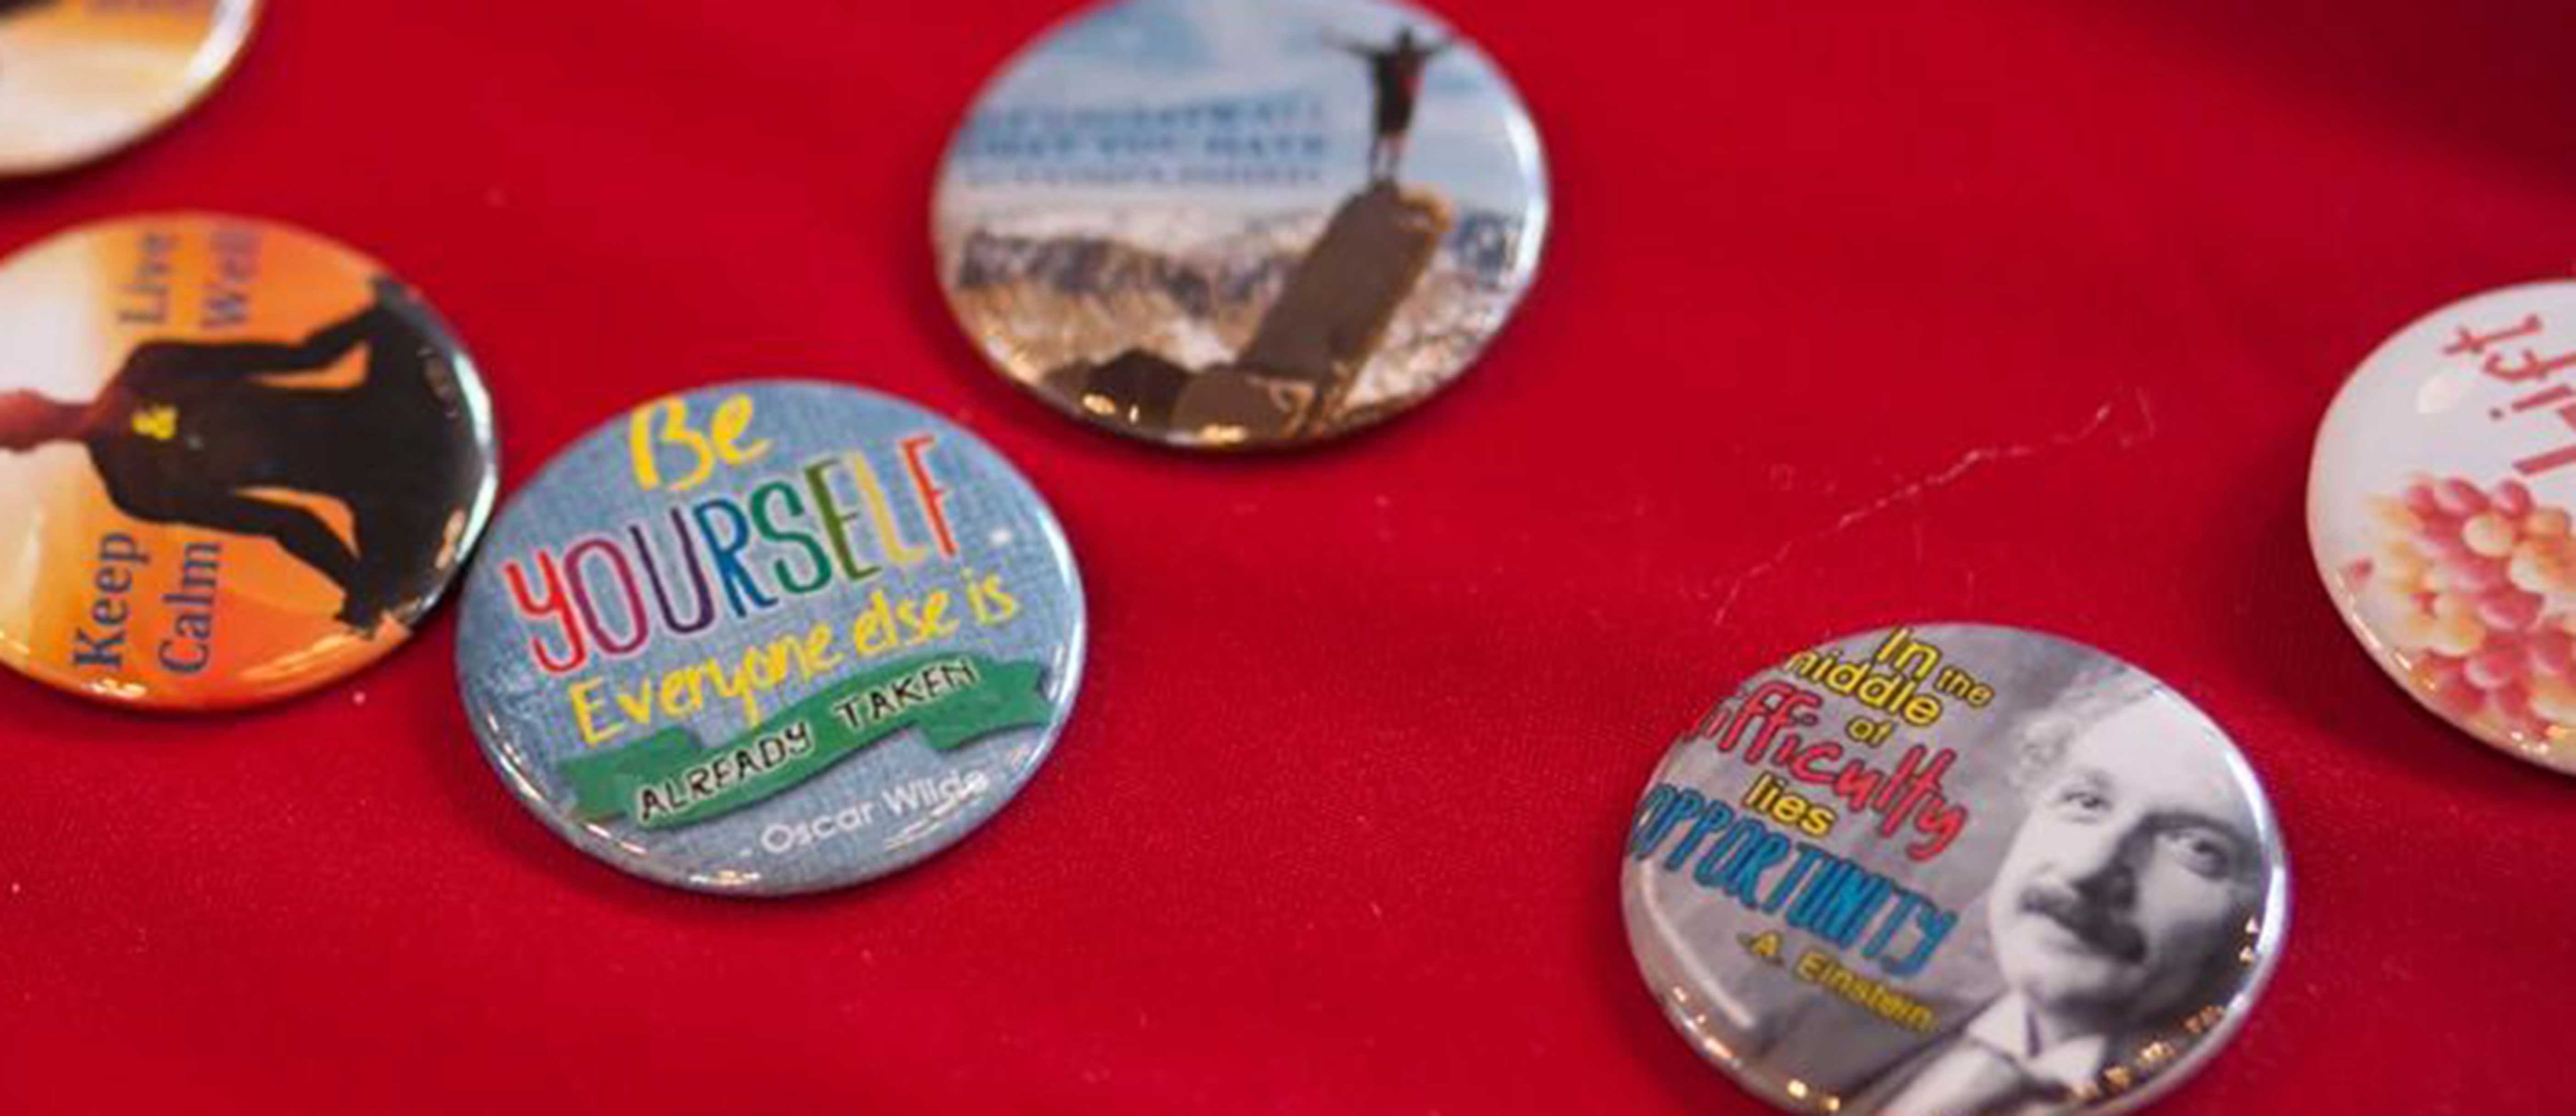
[237, 461]
[1955, 869]
[2438, 510]
[771, 637]
[82, 78]
[1241, 223]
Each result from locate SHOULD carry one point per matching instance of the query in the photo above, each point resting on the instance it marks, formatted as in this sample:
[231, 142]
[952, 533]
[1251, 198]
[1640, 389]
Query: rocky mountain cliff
[1044, 291]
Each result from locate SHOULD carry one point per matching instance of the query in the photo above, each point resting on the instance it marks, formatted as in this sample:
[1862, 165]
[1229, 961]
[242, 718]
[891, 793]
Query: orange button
[237, 461]
[80, 78]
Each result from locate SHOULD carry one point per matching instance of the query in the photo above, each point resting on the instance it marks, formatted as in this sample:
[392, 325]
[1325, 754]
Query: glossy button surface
[771, 637]
[2438, 506]
[237, 460]
[82, 78]
[1241, 223]
[1954, 868]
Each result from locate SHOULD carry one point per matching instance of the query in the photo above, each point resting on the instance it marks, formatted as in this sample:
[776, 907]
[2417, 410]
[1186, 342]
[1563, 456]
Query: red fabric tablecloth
[2021, 312]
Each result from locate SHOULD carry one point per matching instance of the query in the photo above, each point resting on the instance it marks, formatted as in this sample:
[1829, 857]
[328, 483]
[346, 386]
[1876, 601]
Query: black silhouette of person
[1396, 72]
[186, 426]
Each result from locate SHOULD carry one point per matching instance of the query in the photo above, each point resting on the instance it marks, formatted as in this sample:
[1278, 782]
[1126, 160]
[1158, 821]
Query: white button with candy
[2437, 507]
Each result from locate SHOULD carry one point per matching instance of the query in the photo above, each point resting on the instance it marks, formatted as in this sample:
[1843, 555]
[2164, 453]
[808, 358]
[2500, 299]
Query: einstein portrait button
[2438, 506]
[237, 461]
[1955, 869]
[81, 78]
[771, 637]
[1241, 223]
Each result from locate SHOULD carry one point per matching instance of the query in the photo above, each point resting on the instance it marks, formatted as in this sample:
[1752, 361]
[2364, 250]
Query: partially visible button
[238, 461]
[1221, 224]
[1955, 868]
[771, 637]
[2438, 507]
[80, 79]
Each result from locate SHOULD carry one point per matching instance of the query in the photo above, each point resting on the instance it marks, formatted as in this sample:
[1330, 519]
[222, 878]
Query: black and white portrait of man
[2108, 906]
[2125, 906]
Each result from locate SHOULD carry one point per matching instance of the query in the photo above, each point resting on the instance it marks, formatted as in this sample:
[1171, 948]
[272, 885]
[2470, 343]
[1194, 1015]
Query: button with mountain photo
[1236, 224]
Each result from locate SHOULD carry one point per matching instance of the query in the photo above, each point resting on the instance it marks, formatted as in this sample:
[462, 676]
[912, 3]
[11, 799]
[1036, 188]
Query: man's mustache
[2106, 932]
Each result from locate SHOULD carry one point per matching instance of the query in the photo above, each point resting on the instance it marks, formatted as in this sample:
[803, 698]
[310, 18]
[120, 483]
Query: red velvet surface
[2020, 312]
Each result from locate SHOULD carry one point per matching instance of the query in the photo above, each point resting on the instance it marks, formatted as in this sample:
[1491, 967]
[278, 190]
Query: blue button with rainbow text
[771, 637]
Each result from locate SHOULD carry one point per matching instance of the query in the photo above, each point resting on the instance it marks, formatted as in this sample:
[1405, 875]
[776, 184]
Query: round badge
[1955, 869]
[238, 461]
[771, 637]
[82, 78]
[2438, 509]
[1241, 223]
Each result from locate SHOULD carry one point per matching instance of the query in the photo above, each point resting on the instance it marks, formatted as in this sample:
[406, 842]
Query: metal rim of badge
[1955, 867]
[263, 460]
[1240, 224]
[771, 637]
[204, 48]
[2438, 505]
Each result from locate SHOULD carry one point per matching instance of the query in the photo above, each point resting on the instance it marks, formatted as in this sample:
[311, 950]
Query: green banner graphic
[668, 779]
